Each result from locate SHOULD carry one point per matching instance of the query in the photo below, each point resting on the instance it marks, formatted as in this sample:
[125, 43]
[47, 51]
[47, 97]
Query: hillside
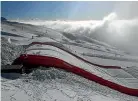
[49, 84]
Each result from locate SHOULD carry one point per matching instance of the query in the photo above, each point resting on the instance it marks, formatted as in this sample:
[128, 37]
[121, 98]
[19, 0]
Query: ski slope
[90, 51]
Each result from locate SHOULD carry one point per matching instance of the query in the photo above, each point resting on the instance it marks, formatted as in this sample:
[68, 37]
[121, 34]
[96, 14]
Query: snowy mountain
[51, 84]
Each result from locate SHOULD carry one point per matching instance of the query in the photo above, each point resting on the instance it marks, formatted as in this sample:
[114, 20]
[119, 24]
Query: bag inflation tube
[47, 61]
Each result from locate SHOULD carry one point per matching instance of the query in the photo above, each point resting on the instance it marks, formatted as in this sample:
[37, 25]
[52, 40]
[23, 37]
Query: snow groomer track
[51, 54]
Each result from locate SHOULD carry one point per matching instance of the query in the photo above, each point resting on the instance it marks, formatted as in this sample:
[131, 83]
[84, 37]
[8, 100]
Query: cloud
[127, 10]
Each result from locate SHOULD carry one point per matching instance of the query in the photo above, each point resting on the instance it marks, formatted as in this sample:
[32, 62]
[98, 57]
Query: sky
[53, 10]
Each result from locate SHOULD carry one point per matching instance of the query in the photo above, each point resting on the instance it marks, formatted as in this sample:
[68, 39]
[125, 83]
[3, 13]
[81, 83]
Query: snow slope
[52, 84]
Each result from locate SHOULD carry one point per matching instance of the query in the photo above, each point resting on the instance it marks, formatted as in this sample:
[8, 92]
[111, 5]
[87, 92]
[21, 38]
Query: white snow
[9, 40]
[58, 85]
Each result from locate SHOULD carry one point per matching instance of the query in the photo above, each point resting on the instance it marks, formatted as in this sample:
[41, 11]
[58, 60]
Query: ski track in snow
[51, 84]
[58, 85]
